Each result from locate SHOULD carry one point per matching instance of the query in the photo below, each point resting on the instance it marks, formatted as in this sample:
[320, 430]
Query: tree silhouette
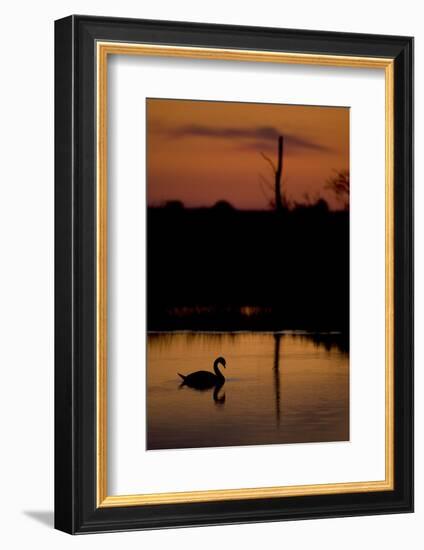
[340, 185]
[277, 202]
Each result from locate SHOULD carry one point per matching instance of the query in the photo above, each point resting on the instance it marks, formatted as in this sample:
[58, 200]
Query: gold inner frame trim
[103, 50]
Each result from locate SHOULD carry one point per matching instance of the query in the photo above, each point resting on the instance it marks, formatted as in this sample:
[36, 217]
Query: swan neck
[217, 371]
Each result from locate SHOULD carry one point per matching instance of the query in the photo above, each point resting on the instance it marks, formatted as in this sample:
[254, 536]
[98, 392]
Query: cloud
[257, 138]
[195, 130]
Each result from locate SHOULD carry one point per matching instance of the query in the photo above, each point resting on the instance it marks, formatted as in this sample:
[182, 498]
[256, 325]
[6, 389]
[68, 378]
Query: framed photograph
[233, 274]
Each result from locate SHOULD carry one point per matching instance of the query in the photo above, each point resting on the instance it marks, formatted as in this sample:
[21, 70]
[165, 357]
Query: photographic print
[247, 273]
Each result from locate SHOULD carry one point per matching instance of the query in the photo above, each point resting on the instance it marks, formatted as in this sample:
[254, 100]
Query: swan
[202, 379]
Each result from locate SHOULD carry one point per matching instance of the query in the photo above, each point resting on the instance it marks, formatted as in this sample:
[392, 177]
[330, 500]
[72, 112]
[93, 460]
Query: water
[279, 388]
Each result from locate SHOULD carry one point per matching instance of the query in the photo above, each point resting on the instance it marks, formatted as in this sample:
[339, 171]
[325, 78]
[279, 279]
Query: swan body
[202, 379]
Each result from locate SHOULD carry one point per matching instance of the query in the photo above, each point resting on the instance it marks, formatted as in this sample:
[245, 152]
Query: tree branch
[266, 182]
[269, 161]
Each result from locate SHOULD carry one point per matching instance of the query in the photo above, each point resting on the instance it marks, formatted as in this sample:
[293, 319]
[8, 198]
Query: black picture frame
[76, 509]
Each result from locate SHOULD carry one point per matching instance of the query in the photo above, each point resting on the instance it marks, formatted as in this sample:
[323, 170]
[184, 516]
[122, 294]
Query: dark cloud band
[252, 138]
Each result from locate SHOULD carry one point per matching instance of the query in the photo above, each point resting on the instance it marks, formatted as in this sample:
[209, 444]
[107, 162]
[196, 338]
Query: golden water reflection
[279, 388]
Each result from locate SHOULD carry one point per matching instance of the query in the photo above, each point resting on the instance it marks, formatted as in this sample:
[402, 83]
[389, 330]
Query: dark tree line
[205, 265]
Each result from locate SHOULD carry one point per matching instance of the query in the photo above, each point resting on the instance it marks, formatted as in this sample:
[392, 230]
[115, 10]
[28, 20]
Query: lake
[280, 388]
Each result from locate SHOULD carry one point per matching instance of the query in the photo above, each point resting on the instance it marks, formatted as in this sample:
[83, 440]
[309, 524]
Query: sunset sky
[200, 152]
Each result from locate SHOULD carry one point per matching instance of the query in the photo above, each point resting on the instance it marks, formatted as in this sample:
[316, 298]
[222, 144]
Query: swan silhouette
[202, 379]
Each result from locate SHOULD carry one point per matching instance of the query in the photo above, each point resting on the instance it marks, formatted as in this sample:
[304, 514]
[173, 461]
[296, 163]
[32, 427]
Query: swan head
[220, 361]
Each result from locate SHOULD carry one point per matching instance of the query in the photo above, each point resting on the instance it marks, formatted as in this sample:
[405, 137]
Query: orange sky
[200, 152]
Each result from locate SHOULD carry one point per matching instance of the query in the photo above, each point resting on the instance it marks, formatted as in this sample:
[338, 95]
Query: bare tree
[340, 185]
[277, 170]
